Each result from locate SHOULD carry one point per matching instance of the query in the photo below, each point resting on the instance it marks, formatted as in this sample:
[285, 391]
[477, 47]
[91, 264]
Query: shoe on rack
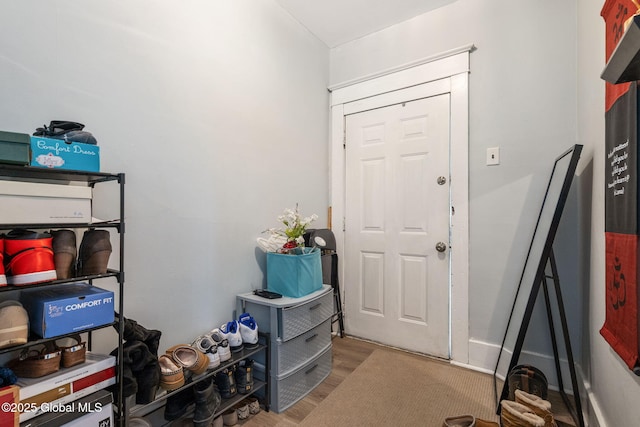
[222, 343]
[28, 257]
[242, 408]
[94, 253]
[138, 422]
[179, 403]
[226, 383]
[73, 351]
[244, 376]
[172, 375]
[36, 362]
[189, 358]
[232, 332]
[3, 278]
[14, 324]
[208, 401]
[218, 421]
[208, 346]
[248, 331]
[64, 253]
[514, 414]
[254, 405]
[148, 380]
[230, 417]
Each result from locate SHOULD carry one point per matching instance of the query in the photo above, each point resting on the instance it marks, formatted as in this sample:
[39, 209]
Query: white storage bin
[38, 203]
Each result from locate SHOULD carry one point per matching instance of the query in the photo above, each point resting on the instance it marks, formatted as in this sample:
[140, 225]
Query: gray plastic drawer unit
[299, 319]
[296, 352]
[300, 351]
[288, 390]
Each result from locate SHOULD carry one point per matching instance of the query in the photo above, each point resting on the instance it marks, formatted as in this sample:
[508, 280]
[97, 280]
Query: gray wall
[522, 98]
[216, 111]
[535, 89]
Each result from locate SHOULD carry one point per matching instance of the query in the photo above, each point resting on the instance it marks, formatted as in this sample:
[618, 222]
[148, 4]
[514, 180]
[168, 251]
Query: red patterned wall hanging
[621, 327]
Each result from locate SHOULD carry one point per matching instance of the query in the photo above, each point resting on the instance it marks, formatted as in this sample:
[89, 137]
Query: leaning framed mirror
[536, 263]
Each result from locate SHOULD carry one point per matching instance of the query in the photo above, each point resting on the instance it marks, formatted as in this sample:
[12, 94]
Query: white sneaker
[232, 332]
[220, 338]
[248, 330]
[208, 346]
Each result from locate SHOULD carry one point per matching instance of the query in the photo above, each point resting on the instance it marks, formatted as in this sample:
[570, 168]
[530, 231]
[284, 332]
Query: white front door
[397, 225]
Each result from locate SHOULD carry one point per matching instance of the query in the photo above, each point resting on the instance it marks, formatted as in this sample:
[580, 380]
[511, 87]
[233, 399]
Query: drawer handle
[311, 337]
[315, 306]
[308, 371]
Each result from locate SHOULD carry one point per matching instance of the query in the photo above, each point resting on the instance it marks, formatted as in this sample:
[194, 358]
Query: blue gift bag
[294, 275]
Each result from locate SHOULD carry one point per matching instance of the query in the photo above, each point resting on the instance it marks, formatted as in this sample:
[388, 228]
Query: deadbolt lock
[441, 180]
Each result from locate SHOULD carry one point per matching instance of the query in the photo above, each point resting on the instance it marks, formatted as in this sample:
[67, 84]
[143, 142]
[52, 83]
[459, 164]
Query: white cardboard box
[93, 410]
[100, 418]
[51, 392]
[33, 202]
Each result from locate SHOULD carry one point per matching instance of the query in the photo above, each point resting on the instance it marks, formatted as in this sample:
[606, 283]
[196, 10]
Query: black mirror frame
[539, 262]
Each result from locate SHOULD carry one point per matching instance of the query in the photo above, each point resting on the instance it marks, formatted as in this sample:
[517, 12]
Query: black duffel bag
[66, 131]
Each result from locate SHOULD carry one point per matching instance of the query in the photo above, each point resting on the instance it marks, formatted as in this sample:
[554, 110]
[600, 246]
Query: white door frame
[444, 73]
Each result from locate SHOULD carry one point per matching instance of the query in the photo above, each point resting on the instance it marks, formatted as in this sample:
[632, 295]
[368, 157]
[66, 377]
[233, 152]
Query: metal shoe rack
[153, 411]
[90, 179]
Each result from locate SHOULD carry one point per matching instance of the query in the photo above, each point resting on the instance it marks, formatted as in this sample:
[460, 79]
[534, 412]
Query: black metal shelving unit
[91, 179]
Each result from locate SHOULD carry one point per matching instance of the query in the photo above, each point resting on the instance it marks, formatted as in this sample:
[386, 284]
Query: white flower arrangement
[282, 240]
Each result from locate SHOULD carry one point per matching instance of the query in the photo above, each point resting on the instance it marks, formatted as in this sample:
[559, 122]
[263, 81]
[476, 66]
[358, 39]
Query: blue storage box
[64, 309]
[59, 154]
[294, 275]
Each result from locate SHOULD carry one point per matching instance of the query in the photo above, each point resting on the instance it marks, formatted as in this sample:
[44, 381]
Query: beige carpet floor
[392, 388]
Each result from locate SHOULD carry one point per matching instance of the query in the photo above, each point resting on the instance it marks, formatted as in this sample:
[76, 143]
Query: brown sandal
[73, 354]
[34, 363]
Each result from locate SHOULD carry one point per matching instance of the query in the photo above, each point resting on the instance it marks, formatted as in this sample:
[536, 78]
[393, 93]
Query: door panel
[396, 212]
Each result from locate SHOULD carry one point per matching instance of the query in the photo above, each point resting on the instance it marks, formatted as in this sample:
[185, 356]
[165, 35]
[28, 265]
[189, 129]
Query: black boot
[148, 382]
[244, 376]
[226, 383]
[133, 331]
[129, 381]
[178, 404]
[143, 366]
[207, 400]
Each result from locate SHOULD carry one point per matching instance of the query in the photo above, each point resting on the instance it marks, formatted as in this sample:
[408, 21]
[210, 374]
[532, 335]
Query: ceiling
[339, 21]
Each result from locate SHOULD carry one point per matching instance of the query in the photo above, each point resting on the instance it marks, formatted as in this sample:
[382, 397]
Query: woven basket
[34, 363]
